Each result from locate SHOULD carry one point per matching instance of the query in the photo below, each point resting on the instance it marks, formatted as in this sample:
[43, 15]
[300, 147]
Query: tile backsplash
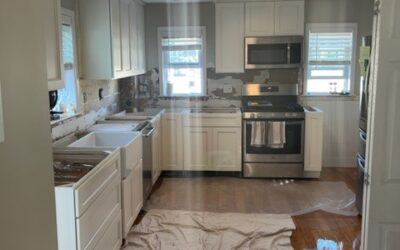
[93, 107]
[139, 92]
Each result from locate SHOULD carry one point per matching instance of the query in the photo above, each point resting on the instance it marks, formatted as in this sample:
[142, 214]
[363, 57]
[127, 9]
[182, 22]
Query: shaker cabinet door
[260, 19]
[289, 18]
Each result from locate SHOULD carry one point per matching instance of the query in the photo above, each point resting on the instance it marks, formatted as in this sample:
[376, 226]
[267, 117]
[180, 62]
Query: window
[330, 58]
[67, 96]
[182, 61]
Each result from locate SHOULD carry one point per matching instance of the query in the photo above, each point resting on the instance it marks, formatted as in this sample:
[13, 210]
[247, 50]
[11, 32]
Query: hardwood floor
[309, 227]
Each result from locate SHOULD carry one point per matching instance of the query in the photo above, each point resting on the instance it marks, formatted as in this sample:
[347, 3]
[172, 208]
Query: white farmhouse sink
[130, 144]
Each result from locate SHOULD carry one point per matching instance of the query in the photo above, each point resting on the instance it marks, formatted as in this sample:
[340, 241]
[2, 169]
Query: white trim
[181, 31]
[332, 27]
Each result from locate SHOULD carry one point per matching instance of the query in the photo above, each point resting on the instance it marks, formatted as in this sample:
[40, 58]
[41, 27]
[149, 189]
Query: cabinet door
[172, 142]
[127, 204]
[229, 30]
[289, 18]
[260, 19]
[226, 152]
[197, 147]
[134, 40]
[55, 64]
[137, 189]
[116, 37]
[126, 32]
[141, 41]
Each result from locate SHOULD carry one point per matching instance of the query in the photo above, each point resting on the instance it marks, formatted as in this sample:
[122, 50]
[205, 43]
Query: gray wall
[27, 218]
[316, 11]
[188, 14]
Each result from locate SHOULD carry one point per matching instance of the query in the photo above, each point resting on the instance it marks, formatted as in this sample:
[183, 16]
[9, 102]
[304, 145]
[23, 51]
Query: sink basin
[130, 144]
[214, 110]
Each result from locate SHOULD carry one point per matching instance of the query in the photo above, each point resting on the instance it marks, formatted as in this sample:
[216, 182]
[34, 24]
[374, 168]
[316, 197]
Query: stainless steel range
[273, 131]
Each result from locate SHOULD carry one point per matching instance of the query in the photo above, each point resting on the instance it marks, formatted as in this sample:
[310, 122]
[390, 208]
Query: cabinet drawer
[111, 239]
[91, 224]
[96, 182]
[212, 121]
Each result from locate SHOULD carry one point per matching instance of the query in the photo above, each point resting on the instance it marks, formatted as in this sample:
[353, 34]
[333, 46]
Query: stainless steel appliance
[273, 52]
[264, 105]
[365, 51]
[147, 133]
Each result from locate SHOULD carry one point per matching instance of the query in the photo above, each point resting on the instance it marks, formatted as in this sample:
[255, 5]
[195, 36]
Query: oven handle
[286, 121]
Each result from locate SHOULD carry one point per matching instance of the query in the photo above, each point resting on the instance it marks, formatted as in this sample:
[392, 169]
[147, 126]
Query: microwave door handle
[288, 55]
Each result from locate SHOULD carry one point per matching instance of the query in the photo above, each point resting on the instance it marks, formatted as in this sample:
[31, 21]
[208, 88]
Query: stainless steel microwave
[273, 52]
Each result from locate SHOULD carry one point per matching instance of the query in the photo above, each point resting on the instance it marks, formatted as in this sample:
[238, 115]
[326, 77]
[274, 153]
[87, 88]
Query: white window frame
[68, 17]
[332, 27]
[183, 32]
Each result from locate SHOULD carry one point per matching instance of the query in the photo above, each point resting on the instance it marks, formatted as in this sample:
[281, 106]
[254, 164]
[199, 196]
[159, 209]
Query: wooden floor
[312, 226]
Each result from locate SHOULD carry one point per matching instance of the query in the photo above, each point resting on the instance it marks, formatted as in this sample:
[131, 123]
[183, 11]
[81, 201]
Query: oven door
[291, 152]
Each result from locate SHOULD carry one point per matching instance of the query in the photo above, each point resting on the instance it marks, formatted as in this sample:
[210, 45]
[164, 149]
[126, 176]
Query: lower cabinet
[227, 150]
[89, 211]
[212, 149]
[172, 142]
[132, 197]
[197, 148]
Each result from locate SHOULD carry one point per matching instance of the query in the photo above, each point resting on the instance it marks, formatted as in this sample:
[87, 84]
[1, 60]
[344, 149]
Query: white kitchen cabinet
[229, 36]
[140, 49]
[89, 211]
[54, 55]
[132, 196]
[313, 140]
[226, 152]
[260, 18]
[109, 38]
[127, 204]
[212, 142]
[172, 142]
[137, 191]
[197, 148]
[289, 18]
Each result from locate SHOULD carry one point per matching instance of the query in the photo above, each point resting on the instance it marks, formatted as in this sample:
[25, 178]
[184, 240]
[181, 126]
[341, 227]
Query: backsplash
[137, 93]
[92, 107]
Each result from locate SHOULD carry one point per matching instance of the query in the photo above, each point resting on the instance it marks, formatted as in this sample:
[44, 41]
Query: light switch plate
[1, 118]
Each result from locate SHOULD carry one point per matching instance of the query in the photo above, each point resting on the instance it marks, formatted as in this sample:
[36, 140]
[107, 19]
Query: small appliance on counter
[53, 98]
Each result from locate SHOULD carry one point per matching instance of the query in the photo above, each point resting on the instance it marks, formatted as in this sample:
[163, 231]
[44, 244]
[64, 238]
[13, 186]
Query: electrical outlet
[1, 118]
[228, 89]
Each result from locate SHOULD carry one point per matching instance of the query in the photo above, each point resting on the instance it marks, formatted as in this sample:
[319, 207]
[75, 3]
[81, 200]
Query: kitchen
[164, 109]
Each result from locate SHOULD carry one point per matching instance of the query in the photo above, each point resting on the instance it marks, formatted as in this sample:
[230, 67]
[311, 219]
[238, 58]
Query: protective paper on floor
[183, 230]
[224, 194]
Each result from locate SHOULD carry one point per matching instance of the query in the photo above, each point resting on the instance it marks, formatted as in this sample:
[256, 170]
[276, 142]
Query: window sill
[64, 118]
[350, 97]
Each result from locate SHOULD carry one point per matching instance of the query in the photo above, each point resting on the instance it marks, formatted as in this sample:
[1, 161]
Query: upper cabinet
[260, 19]
[289, 18]
[110, 38]
[275, 18]
[229, 32]
[55, 69]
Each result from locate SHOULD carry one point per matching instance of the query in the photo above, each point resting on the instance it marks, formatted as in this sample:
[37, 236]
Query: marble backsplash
[137, 93]
[92, 106]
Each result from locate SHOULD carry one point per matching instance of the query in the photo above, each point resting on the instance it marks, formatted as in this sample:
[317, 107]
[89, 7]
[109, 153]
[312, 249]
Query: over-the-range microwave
[273, 52]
